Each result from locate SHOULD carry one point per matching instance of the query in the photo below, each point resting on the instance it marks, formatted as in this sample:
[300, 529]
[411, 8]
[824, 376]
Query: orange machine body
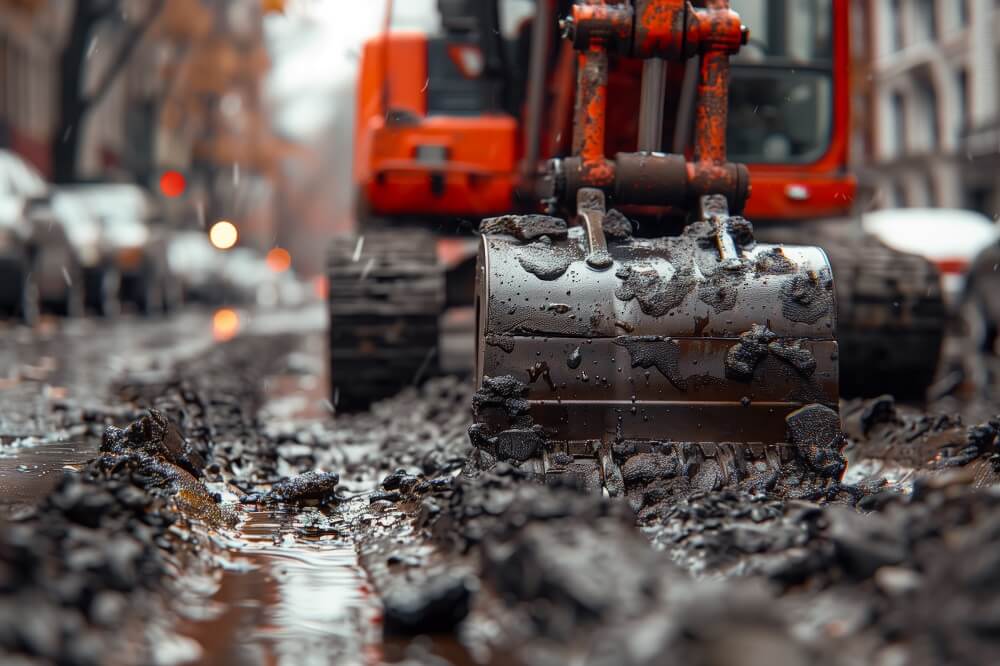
[408, 163]
[825, 188]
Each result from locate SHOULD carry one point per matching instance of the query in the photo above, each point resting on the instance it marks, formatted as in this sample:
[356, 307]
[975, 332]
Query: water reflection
[292, 593]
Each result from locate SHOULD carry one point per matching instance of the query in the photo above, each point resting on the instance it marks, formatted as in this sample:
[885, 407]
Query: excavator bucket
[703, 357]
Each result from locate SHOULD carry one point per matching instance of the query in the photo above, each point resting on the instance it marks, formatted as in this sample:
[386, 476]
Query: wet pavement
[219, 559]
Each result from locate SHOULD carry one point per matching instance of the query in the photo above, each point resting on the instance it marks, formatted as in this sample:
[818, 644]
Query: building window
[963, 100]
[928, 113]
[898, 125]
[899, 195]
[896, 18]
[978, 199]
[927, 19]
[930, 191]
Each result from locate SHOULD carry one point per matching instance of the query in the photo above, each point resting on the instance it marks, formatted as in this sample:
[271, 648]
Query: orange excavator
[619, 117]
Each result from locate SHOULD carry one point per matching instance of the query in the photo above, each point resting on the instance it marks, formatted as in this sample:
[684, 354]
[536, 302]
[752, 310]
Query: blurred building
[29, 31]
[927, 105]
[187, 95]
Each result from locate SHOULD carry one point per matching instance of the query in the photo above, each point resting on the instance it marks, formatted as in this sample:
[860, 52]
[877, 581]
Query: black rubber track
[386, 293]
[891, 316]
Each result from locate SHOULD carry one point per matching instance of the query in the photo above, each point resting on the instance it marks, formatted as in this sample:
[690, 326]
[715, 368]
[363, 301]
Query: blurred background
[241, 110]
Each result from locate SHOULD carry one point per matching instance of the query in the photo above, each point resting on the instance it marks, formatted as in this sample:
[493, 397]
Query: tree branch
[124, 52]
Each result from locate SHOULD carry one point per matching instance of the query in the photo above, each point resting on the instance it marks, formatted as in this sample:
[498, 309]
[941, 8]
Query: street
[498, 570]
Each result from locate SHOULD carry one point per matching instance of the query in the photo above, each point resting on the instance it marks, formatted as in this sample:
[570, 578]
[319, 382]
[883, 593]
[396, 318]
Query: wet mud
[525, 228]
[217, 525]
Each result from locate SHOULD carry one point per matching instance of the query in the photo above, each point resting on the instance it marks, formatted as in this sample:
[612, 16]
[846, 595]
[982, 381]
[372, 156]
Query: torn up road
[226, 517]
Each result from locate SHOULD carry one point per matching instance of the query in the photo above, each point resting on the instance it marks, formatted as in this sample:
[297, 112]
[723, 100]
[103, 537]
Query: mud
[543, 261]
[506, 393]
[720, 290]
[154, 435]
[754, 346]
[712, 554]
[525, 228]
[774, 262]
[656, 296]
[655, 352]
[616, 226]
[922, 442]
[504, 342]
[80, 570]
[807, 298]
[743, 357]
[311, 487]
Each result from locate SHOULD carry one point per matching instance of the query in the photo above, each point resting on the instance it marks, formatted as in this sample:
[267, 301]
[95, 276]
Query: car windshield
[18, 178]
[781, 92]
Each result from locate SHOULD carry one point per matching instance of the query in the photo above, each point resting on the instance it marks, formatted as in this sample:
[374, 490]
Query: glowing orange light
[278, 259]
[225, 324]
[273, 6]
[172, 184]
[321, 287]
[223, 234]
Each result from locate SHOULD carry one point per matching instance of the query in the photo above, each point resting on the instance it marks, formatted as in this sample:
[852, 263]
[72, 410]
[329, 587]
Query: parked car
[20, 179]
[950, 238]
[132, 227]
[249, 276]
[199, 267]
[39, 268]
[101, 272]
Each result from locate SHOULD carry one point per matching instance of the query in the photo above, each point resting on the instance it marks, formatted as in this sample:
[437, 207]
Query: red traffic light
[172, 183]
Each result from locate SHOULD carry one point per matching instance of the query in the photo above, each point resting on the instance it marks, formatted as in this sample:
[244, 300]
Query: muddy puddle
[288, 588]
[289, 591]
[30, 468]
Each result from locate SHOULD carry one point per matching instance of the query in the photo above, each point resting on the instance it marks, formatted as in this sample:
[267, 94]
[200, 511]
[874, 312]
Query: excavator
[620, 294]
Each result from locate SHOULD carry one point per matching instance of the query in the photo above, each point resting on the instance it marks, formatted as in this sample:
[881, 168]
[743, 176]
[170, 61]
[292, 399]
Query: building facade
[928, 106]
[188, 96]
[28, 66]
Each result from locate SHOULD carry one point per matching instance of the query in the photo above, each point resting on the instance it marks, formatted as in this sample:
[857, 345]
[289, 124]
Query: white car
[39, 266]
[950, 238]
[101, 275]
[131, 226]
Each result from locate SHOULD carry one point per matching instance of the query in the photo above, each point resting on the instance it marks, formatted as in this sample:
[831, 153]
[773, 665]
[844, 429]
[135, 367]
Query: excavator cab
[482, 116]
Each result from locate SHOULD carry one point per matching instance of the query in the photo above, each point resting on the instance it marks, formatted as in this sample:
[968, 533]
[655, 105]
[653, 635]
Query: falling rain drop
[367, 269]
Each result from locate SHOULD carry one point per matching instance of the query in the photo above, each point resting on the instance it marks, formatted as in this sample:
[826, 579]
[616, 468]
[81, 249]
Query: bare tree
[75, 102]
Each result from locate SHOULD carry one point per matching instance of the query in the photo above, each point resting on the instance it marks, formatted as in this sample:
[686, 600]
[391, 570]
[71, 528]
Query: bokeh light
[223, 234]
[321, 287]
[172, 184]
[273, 6]
[278, 259]
[225, 324]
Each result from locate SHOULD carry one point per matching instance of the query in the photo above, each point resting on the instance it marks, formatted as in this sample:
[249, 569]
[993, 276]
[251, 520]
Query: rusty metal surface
[589, 125]
[659, 29]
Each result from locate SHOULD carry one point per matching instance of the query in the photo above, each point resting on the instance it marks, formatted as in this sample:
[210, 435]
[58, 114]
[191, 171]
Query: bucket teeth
[807, 466]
